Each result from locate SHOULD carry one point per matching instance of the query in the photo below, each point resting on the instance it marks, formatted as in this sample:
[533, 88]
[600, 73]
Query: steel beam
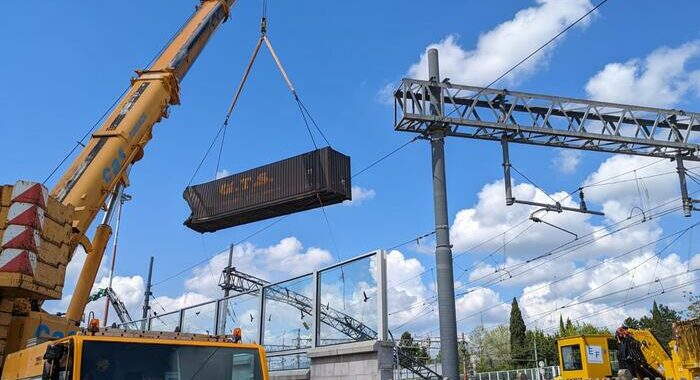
[490, 114]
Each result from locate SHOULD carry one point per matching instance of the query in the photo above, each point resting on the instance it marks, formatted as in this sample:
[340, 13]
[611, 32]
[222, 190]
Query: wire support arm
[556, 206]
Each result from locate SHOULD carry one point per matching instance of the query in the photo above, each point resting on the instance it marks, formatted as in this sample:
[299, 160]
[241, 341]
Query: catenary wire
[464, 293]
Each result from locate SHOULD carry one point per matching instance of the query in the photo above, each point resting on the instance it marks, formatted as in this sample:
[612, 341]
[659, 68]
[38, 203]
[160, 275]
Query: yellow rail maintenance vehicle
[41, 229]
[106, 354]
[635, 350]
[587, 356]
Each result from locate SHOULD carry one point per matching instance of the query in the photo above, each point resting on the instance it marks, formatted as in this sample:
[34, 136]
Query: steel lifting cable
[302, 107]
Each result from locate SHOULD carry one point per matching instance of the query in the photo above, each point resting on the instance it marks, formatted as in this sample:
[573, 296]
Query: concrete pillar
[370, 360]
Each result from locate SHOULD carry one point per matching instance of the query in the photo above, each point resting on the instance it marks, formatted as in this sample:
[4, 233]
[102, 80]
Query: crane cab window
[140, 361]
[571, 357]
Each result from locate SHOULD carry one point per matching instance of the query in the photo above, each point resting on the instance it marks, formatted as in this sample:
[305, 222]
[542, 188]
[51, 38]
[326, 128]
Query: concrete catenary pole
[443, 249]
[147, 295]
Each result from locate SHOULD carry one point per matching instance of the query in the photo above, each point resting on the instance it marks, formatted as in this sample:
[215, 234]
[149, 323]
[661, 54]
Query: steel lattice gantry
[489, 114]
[519, 117]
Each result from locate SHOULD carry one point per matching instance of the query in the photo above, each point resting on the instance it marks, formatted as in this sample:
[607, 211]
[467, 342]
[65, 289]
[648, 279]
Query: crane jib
[128, 106]
[81, 169]
[204, 29]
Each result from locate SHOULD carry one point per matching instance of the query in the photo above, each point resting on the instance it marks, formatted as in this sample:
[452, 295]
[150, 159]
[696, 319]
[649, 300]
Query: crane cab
[120, 355]
[587, 357]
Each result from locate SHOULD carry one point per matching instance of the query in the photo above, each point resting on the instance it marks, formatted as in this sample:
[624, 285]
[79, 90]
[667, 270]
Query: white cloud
[567, 160]
[288, 258]
[622, 183]
[163, 304]
[359, 195]
[592, 294]
[222, 173]
[490, 217]
[660, 79]
[407, 291]
[612, 187]
[506, 44]
[481, 305]
[130, 291]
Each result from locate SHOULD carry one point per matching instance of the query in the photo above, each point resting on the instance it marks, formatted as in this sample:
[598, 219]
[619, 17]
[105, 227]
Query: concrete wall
[293, 374]
[371, 360]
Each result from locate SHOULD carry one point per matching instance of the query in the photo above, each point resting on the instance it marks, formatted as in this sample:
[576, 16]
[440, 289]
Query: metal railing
[342, 303]
[546, 373]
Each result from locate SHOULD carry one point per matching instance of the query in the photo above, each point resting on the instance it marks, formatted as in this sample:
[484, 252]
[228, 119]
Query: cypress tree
[518, 351]
[562, 330]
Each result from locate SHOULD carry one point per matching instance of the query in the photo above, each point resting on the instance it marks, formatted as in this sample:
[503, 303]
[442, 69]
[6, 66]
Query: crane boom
[119, 142]
[40, 231]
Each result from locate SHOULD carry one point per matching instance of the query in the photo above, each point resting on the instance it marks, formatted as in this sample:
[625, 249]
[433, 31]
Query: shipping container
[310, 180]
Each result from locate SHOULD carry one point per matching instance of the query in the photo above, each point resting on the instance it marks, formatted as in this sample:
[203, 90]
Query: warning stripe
[30, 192]
[26, 214]
[21, 237]
[18, 261]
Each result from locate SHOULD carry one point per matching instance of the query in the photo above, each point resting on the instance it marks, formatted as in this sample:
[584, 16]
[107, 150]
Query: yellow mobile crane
[636, 350]
[39, 232]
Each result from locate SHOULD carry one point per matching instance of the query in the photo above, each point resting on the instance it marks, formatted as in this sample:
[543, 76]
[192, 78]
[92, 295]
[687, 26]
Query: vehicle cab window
[571, 357]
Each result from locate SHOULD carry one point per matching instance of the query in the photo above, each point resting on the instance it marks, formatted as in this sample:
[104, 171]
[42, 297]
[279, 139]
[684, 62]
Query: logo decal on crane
[111, 171]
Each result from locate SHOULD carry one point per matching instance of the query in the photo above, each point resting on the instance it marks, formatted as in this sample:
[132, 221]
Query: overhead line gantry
[436, 109]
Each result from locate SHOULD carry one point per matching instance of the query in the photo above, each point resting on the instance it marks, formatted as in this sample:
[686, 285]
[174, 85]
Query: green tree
[413, 349]
[464, 357]
[561, 325]
[518, 348]
[660, 322]
[490, 348]
[632, 323]
[546, 348]
[693, 305]
[578, 328]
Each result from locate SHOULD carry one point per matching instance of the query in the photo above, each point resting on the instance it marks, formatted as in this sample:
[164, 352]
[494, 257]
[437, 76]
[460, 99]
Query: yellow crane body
[40, 231]
[111, 354]
[686, 347]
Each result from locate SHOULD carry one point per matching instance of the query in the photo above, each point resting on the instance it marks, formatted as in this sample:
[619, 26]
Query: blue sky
[65, 63]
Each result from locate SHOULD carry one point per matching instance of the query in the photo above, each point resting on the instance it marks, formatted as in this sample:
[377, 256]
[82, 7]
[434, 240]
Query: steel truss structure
[554, 121]
[117, 303]
[235, 280]
[489, 114]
